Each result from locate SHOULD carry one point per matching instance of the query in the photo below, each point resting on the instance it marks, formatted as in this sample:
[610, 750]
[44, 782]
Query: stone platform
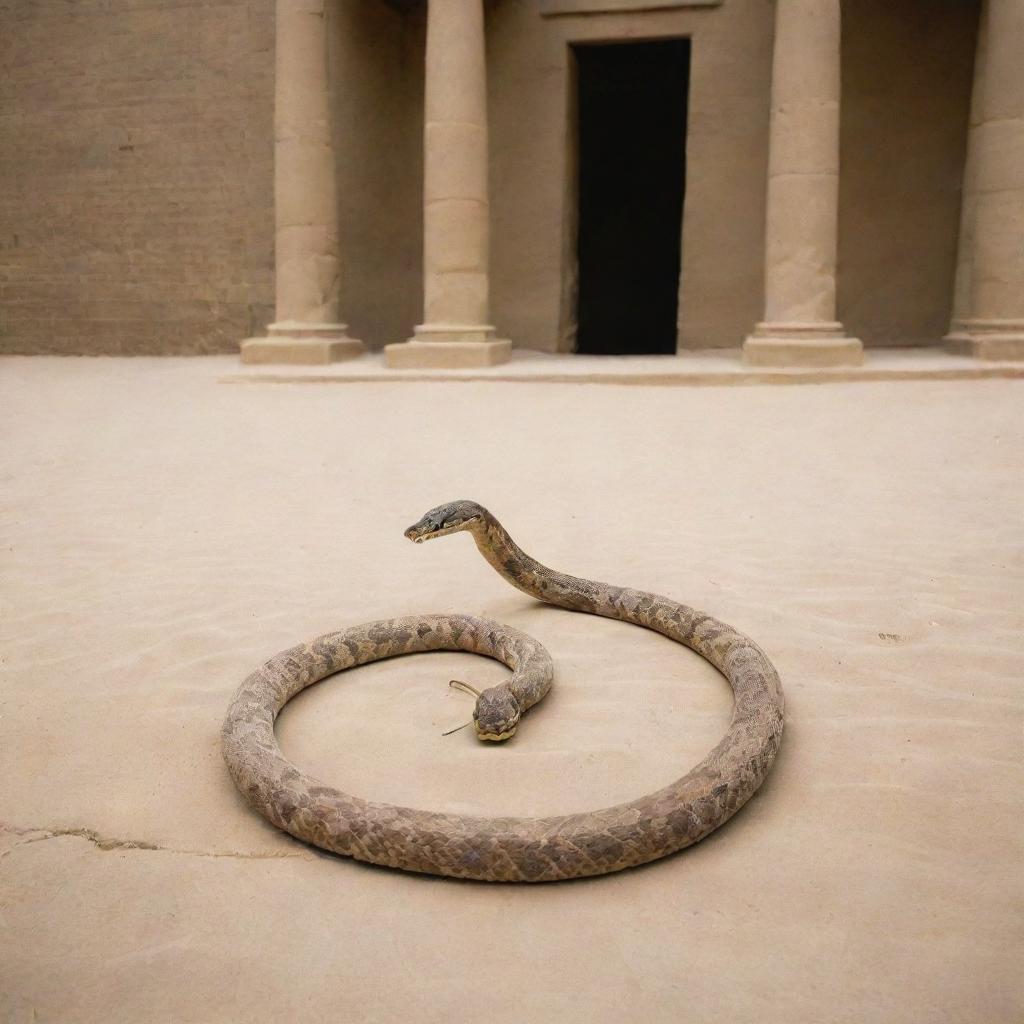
[704, 368]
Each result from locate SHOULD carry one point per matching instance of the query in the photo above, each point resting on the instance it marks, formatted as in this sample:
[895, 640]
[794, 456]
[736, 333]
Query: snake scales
[506, 849]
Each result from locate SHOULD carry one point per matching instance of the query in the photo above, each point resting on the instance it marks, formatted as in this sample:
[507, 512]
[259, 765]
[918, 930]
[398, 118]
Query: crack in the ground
[26, 836]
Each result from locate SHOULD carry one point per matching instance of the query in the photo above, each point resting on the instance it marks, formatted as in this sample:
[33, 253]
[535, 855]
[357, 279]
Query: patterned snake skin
[506, 849]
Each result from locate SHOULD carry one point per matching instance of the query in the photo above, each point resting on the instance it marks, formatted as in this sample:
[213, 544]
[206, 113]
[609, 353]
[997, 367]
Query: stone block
[797, 351]
[306, 345]
[446, 355]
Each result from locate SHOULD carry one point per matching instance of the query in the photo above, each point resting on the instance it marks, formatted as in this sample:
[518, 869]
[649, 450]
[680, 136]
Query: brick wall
[136, 175]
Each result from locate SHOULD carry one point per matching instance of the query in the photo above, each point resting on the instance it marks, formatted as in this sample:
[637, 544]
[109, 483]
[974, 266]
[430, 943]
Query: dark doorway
[632, 173]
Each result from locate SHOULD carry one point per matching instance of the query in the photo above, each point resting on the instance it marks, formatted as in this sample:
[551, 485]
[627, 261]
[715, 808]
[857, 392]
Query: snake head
[445, 519]
[496, 714]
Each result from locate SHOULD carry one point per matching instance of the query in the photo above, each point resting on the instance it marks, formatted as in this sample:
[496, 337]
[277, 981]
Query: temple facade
[448, 179]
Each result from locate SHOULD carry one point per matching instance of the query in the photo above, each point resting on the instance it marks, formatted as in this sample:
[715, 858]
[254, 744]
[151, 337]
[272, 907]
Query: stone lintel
[549, 8]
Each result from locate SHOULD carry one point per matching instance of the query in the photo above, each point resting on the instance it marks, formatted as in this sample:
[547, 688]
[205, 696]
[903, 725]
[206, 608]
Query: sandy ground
[163, 533]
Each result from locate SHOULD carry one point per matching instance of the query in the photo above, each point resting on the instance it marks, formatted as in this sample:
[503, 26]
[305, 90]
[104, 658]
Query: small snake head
[496, 714]
[445, 519]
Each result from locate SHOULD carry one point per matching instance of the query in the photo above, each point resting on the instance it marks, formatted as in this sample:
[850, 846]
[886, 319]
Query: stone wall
[136, 163]
[136, 173]
[532, 142]
[377, 57]
[906, 74]
[136, 169]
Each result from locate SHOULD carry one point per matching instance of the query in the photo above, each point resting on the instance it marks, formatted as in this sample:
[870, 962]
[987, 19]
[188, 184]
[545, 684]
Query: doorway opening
[632, 103]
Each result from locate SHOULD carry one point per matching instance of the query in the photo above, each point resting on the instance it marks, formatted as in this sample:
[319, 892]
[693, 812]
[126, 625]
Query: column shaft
[989, 315]
[456, 210]
[800, 326]
[307, 274]
[961, 312]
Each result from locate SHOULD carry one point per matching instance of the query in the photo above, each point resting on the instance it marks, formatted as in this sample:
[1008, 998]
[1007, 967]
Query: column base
[448, 347]
[301, 344]
[956, 339]
[987, 339]
[790, 344]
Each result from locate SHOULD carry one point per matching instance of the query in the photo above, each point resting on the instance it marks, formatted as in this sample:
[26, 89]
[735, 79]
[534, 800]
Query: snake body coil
[506, 849]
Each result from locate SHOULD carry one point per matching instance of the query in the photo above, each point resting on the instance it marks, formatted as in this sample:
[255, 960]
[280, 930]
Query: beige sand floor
[163, 533]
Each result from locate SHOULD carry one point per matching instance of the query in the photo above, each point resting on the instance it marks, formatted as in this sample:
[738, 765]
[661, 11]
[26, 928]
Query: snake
[506, 849]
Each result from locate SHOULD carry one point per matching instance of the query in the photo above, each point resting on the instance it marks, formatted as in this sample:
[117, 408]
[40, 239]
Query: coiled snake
[506, 849]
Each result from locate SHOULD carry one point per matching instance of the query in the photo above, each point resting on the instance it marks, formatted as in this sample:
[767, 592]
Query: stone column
[988, 312]
[958, 339]
[306, 329]
[800, 326]
[455, 331]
